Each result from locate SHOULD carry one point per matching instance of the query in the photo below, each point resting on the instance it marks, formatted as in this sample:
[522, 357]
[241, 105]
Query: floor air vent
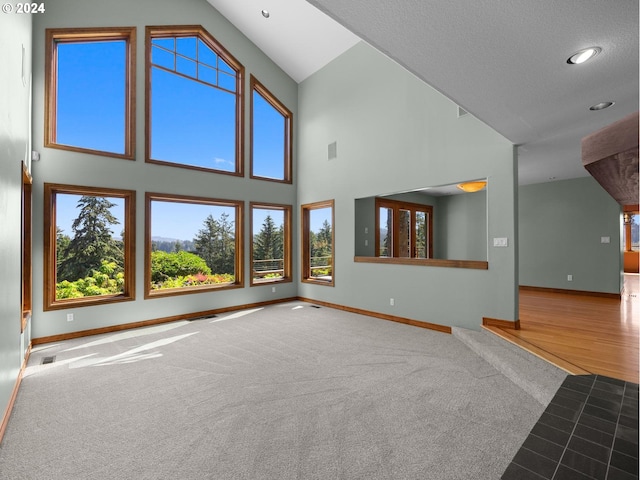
[205, 317]
[47, 360]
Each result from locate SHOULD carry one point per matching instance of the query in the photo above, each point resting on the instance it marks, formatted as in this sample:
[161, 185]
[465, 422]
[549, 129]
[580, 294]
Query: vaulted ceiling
[505, 62]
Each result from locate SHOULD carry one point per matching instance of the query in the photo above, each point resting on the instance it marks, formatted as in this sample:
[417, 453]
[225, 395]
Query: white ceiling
[504, 61]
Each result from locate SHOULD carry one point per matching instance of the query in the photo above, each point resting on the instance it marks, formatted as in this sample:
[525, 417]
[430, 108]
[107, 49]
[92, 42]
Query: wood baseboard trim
[615, 296]
[383, 316]
[568, 367]
[155, 321]
[495, 322]
[14, 394]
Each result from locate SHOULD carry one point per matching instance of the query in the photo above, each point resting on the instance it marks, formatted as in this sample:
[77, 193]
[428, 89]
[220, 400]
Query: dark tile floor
[588, 431]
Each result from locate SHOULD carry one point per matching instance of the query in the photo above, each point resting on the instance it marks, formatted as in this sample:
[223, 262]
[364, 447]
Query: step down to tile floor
[535, 376]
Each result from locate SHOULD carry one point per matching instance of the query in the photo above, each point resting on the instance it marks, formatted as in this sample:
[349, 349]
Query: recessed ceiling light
[601, 105]
[265, 13]
[583, 55]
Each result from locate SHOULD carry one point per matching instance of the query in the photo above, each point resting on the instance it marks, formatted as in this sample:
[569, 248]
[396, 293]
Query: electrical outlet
[69, 317]
[366, 243]
[273, 289]
[569, 278]
[392, 302]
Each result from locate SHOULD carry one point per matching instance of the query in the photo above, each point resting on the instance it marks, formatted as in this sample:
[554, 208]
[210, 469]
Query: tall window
[26, 247]
[271, 124]
[317, 243]
[89, 245]
[403, 229]
[90, 85]
[631, 237]
[194, 101]
[270, 243]
[193, 244]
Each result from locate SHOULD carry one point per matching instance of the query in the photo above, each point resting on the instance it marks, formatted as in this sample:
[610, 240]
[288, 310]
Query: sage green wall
[15, 72]
[59, 166]
[561, 225]
[395, 133]
[460, 228]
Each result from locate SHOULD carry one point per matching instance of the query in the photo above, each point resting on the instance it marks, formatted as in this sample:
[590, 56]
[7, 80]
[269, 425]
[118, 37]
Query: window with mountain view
[193, 244]
[194, 101]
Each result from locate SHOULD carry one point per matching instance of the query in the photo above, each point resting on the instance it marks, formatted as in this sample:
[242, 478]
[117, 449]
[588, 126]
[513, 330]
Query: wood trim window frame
[396, 206]
[55, 36]
[27, 236]
[239, 247]
[260, 89]
[50, 234]
[306, 246]
[286, 244]
[166, 31]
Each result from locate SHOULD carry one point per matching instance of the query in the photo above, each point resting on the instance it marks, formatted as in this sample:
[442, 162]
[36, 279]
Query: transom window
[89, 85]
[403, 229]
[271, 124]
[194, 101]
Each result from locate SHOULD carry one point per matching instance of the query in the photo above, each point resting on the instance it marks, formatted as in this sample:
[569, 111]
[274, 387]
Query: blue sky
[191, 122]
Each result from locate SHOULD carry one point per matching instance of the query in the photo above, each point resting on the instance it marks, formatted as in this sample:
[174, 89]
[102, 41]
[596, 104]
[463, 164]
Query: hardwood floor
[582, 334]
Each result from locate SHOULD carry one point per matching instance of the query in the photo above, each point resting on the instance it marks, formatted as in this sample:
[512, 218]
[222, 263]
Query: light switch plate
[605, 239]
[501, 242]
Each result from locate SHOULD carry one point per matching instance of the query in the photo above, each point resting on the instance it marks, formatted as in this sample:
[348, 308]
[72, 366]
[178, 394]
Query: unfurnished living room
[319, 239]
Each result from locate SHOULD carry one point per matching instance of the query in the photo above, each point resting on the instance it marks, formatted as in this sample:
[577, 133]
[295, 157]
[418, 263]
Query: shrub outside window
[193, 244]
[88, 246]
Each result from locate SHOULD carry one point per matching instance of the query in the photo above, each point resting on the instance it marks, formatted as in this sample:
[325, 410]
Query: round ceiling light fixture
[471, 187]
[265, 13]
[601, 106]
[583, 55]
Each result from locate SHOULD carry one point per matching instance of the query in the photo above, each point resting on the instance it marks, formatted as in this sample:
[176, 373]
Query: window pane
[192, 123]
[187, 47]
[421, 235]
[186, 67]
[89, 246]
[83, 118]
[632, 230]
[206, 55]
[192, 245]
[404, 233]
[386, 230]
[320, 240]
[268, 244]
[268, 139]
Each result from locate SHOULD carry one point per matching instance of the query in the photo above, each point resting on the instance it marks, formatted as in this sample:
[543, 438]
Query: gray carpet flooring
[288, 391]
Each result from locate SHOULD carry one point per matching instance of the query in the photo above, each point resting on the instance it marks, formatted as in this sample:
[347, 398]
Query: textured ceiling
[502, 61]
